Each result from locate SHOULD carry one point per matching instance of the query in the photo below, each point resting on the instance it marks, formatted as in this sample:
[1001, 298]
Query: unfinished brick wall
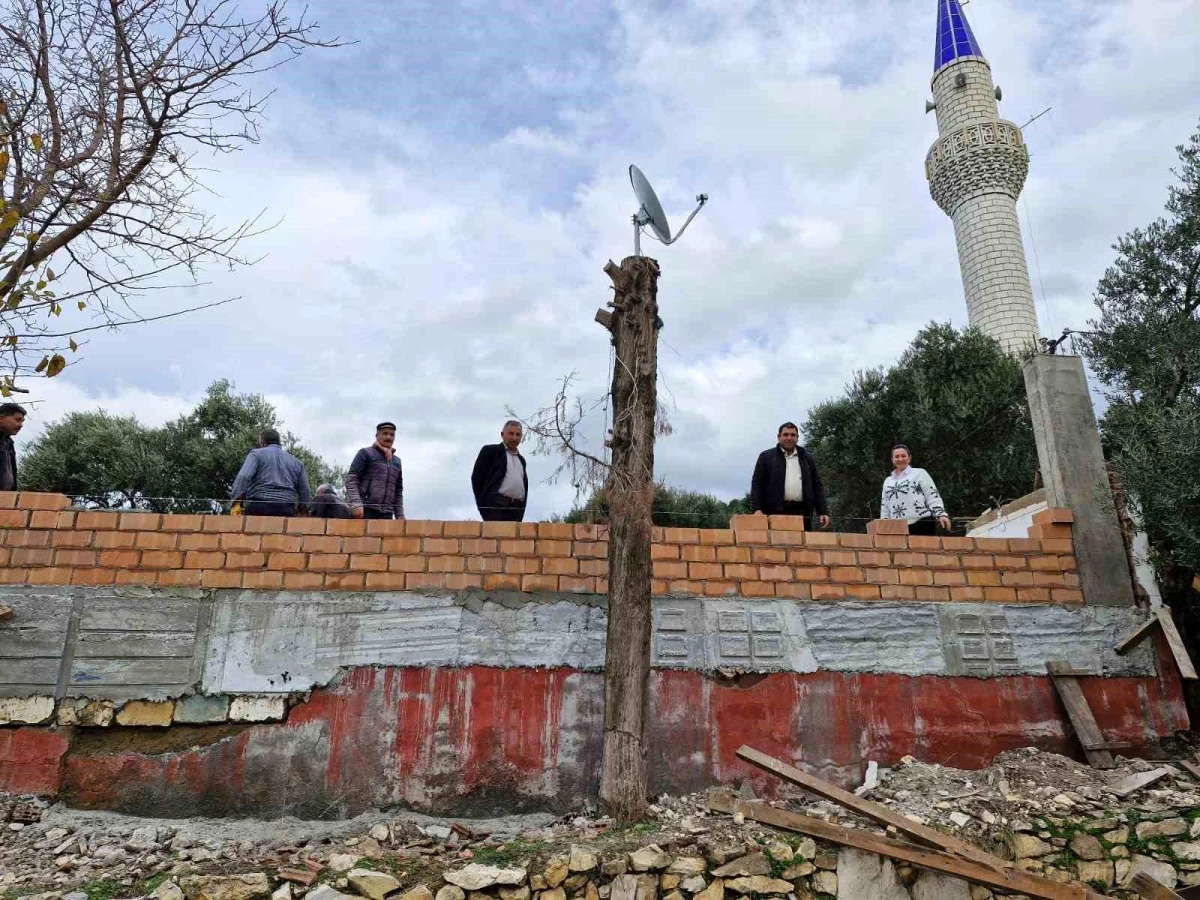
[43, 542]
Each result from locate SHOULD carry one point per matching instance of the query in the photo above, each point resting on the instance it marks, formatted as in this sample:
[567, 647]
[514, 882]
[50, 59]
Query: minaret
[976, 169]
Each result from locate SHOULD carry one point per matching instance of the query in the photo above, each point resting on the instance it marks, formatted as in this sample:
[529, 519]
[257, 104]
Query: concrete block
[26, 710]
[197, 709]
[257, 709]
[147, 713]
[1073, 469]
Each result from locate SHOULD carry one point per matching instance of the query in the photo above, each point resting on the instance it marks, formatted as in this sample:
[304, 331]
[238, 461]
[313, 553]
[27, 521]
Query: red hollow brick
[97, 521]
[403, 545]
[839, 557]
[966, 594]
[812, 573]
[599, 549]
[71, 557]
[1053, 515]
[415, 581]
[555, 531]
[558, 565]
[386, 581]
[413, 563]
[863, 591]
[887, 526]
[774, 538]
[785, 523]
[916, 576]
[577, 584]
[958, 543]
[757, 589]
[113, 540]
[898, 592]
[221, 524]
[337, 562]
[427, 528]
[179, 578]
[305, 526]
[522, 565]
[707, 588]
[949, 578]
[748, 523]
[14, 518]
[303, 581]
[598, 567]
[927, 593]
[362, 545]
[266, 524]
[385, 528]
[320, 543]
[863, 541]
[1066, 595]
[141, 577]
[828, 591]
[716, 536]
[988, 577]
[681, 535]
[771, 555]
[201, 559]
[199, 541]
[1033, 595]
[249, 543]
[485, 564]
[262, 581]
[599, 533]
[35, 500]
[245, 560]
[793, 590]
[539, 583]
[553, 548]
[73, 538]
[509, 547]
[28, 556]
[182, 522]
[151, 559]
[346, 527]
[345, 581]
[461, 581]
[291, 562]
[48, 575]
[891, 541]
[699, 553]
[740, 571]
[847, 574]
[448, 563]
[470, 529]
[220, 578]
[93, 576]
[664, 551]
[155, 540]
[500, 529]
[501, 582]
[699, 570]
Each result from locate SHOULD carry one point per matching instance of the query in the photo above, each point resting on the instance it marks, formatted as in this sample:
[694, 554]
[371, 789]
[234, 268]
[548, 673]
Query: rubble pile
[1053, 816]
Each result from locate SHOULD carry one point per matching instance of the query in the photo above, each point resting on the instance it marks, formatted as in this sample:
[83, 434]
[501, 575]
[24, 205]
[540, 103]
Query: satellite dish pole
[629, 487]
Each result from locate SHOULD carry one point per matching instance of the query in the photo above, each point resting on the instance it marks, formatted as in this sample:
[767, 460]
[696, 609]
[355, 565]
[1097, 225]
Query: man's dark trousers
[503, 509]
[269, 508]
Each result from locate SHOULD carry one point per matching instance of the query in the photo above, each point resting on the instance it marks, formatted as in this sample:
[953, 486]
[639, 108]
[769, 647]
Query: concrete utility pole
[634, 325]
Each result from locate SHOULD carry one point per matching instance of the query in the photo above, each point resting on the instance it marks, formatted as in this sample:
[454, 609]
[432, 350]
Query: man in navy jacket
[786, 480]
[499, 479]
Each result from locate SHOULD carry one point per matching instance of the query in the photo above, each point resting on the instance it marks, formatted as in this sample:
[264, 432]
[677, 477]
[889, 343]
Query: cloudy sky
[449, 188]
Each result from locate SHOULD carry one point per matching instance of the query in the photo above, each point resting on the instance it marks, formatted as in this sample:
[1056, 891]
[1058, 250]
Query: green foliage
[956, 399]
[673, 508]
[115, 462]
[1145, 348]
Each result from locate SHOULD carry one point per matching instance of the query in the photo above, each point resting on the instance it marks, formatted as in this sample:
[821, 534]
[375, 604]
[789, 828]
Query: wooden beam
[1006, 879]
[1080, 715]
[1162, 618]
[1127, 786]
[876, 812]
[1175, 642]
[1193, 769]
[1136, 636]
[6, 613]
[1149, 889]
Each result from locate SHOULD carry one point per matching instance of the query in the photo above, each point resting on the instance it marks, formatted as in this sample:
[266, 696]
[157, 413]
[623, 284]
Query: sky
[446, 190]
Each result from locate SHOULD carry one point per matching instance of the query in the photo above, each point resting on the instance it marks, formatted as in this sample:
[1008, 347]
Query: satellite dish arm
[701, 200]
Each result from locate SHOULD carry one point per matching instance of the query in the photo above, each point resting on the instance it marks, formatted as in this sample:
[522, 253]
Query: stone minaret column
[976, 169]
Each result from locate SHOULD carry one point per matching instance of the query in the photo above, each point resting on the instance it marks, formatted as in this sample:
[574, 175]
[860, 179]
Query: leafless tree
[628, 477]
[108, 111]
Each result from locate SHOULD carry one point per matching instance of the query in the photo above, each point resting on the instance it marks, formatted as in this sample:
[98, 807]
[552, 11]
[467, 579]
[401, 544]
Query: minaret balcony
[984, 157]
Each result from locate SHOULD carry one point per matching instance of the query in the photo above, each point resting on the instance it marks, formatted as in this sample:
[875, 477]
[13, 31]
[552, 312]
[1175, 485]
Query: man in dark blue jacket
[271, 481]
[498, 480]
[375, 482]
[786, 480]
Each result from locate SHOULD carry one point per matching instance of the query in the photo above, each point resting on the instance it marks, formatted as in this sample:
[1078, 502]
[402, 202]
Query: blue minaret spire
[954, 37]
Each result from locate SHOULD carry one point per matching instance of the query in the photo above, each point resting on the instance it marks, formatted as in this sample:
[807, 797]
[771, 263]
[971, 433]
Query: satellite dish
[650, 212]
[650, 205]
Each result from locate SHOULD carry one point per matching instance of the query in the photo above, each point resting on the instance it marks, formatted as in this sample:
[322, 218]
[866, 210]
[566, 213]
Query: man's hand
[824, 520]
[357, 512]
[944, 521]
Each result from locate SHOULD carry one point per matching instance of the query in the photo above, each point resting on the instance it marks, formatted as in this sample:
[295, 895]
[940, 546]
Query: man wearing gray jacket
[375, 482]
[271, 482]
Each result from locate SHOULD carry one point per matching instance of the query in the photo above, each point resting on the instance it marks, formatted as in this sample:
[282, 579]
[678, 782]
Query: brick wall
[43, 542]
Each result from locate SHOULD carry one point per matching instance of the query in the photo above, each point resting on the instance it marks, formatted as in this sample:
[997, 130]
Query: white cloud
[437, 278]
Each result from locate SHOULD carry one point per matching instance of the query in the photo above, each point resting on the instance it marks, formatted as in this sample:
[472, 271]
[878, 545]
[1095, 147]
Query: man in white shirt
[786, 481]
[499, 480]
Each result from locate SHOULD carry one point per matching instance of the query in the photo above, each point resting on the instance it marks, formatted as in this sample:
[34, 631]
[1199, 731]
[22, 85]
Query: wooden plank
[876, 812]
[1080, 715]
[6, 613]
[1136, 782]
[1109, 745]
[1149, 889]
[1175, 642]
[1192, 768]
[124, 644]
[1006, 879]
[1136, 636]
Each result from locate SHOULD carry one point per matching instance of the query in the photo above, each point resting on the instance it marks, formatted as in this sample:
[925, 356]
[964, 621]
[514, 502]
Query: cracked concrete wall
[142, 643]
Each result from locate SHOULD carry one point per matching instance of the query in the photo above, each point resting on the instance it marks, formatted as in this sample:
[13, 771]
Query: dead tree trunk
[634, 324]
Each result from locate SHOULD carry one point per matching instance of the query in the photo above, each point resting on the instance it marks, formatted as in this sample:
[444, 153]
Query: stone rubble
[1051, 815]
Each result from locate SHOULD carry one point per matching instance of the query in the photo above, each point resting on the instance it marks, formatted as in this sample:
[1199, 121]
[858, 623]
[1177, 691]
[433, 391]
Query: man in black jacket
[499, 479]
[12, 417]
[786, 480]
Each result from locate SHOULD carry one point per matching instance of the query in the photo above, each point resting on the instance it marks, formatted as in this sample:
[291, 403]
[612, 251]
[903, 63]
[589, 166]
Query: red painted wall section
[31, 760]
[480, 740]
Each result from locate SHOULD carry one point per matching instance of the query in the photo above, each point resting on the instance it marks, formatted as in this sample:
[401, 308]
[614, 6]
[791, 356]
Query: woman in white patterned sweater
[910, 494]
